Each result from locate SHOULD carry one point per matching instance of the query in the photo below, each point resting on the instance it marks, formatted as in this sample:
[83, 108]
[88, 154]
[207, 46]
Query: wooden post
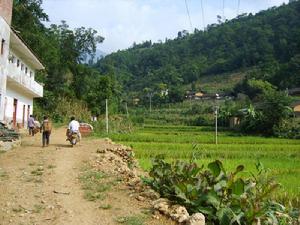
[126, 110]
[216, 121]
[106, 115]
[150, 102]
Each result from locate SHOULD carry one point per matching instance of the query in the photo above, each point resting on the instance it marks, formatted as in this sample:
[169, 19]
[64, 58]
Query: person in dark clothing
[30, 124]
[46, 128]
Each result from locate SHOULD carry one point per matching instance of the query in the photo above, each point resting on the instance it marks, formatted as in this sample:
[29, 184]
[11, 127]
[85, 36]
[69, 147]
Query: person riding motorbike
[73, 128]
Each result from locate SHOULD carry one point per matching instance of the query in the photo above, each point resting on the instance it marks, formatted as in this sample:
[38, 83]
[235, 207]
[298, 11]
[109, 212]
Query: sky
[123, 22]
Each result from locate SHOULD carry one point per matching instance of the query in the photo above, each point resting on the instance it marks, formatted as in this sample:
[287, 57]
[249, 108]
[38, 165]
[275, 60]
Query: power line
[203, 22]
[223, 13]
[238, 8]
[188, 13]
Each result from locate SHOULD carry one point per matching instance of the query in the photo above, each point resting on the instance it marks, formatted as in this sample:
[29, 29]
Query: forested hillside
[70, 86]
[265, 45]
[268, 43]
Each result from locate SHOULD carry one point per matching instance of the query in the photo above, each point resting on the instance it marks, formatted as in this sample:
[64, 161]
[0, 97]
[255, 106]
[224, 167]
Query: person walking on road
[46, 128]
[30, 124]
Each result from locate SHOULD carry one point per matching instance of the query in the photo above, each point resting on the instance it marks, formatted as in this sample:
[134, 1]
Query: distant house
[195, 95]
[294, 92]
[296, 108]
[136, 101]
[18, 66]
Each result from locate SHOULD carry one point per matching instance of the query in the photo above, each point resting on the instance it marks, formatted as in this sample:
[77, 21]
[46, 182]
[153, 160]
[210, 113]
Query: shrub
[116, 124]
[223, 197]
[288, 129]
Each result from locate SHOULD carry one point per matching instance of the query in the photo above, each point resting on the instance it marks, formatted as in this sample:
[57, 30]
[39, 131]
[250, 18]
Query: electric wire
[238, 7]
[188, 13]
[202, 11]
[223, 11]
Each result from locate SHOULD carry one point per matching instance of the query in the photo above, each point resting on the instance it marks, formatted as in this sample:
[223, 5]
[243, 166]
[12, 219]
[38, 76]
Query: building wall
[12, 94]
[6, 10]
[4, 35]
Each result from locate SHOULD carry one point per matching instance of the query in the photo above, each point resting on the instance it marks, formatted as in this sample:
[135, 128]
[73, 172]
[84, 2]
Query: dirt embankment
[62, 185]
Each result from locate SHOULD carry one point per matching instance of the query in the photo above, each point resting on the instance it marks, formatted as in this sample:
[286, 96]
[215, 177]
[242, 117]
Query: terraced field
[280, 156]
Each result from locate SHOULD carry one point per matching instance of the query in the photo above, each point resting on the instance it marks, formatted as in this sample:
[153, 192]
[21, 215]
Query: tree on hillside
[266, 41]
[269, 107]
[61, 50]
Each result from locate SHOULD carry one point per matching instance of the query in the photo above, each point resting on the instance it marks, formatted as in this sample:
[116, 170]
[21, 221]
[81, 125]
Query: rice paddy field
[280, 156]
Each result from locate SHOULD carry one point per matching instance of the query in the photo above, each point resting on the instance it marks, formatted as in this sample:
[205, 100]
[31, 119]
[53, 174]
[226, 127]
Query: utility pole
[216, 123]
[216, 117]
[126, 107]
[150, 94]
[150, 102]
[106, 115]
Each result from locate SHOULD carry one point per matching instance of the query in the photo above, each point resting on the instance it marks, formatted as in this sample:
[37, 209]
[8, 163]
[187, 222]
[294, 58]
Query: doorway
[15, 112]
[23, 118]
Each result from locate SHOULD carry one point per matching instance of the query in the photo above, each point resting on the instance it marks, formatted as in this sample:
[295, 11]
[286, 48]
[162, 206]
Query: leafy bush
[271, 108]
[138, 120]
[288, 129]
[223, 197]
[203, 120]
[116, 124]
[63, 110]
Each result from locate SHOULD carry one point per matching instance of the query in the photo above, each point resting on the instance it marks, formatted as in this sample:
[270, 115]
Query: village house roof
[294, 91]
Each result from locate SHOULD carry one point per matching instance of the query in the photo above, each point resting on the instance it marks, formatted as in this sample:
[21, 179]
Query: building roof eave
[20, 47]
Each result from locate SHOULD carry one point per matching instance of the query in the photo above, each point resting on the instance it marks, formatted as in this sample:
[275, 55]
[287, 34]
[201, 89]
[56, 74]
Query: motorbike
[74, 138]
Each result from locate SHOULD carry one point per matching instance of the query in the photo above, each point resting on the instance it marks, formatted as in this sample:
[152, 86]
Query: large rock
[162, 205]
[151, 194]
[179, 213]
[196, 219]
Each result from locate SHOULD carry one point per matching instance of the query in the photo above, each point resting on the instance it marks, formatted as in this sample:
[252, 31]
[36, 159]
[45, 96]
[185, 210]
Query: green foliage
[280, 155]
[270, 107]
[223, 197]
[267, 42]
[117, 124]
[288, 129]
[62, 109]
[62, 51]
[253, 88]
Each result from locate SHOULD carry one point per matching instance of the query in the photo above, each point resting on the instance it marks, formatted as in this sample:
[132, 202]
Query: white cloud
[123, 22]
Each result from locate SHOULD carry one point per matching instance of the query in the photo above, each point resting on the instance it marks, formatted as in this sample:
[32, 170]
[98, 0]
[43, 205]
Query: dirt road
[42, 186]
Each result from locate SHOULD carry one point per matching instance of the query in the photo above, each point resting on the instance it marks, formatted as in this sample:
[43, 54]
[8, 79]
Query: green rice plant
[281, 156]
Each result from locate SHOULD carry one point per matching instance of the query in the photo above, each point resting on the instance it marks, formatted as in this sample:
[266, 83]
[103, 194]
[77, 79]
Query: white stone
[196, 219]
[162, 205]
[179, 213]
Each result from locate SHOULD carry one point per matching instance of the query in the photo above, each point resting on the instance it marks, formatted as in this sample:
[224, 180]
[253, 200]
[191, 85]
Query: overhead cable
[223, 11]
[188, 13]
[202, 11]
[238, 7]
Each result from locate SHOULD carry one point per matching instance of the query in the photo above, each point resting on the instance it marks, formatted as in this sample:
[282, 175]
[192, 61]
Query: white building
[18, 65]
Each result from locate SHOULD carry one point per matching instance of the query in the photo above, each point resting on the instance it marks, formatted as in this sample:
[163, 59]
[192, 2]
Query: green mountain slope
[269, 40]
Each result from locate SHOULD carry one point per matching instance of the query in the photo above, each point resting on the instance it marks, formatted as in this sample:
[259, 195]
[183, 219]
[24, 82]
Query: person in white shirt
[73, 127]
